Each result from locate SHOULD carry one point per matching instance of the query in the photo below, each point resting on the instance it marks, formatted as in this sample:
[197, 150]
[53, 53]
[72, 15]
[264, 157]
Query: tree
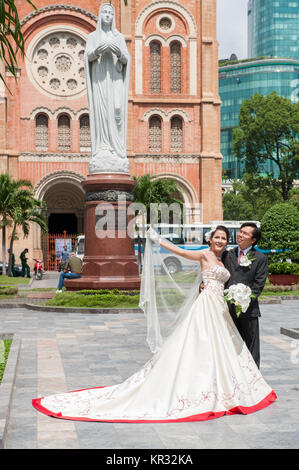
[157, 191]
[9, 190]
[294, 197]
[268, 131]
[11, 37]
[26, 209]
[235, 207]
[251, 197]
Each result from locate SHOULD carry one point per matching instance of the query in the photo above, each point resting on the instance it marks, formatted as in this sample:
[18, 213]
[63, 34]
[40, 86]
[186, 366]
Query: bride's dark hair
[223, 229]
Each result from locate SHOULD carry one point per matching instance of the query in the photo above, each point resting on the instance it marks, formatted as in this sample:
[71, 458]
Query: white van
[79, 248]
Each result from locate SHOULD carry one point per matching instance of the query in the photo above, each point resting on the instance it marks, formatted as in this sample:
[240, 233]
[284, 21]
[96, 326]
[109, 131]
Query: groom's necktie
[240, 256]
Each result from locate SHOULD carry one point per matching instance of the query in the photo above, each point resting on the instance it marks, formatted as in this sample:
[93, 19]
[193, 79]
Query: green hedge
[280, 228]
[283, 268]
[6, 290]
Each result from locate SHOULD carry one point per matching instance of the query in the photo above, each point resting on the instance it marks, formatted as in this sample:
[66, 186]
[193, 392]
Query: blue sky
[232, 28]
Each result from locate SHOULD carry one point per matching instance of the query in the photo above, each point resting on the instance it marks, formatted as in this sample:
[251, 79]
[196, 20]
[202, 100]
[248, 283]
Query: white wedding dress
[203, 371]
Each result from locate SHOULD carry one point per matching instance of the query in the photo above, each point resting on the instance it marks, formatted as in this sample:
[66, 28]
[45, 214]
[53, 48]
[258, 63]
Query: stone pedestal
[109, 258]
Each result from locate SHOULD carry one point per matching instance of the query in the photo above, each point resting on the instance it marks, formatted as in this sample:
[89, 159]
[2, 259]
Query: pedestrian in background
[25, 266]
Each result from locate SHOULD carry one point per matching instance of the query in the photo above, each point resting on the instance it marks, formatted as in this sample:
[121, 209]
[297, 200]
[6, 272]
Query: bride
[203, 369]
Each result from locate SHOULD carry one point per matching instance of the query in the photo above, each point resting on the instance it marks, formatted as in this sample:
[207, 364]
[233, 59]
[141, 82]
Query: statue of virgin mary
[107, 70]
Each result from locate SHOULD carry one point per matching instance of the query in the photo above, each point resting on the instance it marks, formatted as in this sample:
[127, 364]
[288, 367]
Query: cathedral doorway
[64, 197]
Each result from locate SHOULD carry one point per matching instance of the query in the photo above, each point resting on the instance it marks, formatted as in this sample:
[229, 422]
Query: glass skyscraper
[240, 81]
[273, 28]
[274, 66]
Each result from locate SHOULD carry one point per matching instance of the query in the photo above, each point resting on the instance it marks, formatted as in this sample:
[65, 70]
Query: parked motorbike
[38, 269]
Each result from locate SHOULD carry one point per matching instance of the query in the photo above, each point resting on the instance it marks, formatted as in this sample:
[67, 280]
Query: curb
[45, 308]
[8, 384]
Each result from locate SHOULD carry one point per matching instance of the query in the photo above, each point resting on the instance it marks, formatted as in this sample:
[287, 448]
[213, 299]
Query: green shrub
[107, 291]
[70, 299]
[6, 290]
[284, 268]
[280, 228]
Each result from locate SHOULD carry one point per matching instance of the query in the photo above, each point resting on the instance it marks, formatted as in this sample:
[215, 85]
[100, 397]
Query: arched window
[175, 67]
[176, 134]
[155, 134]
[155, 67]
[64, 133]
[85, 140]
[41, 132]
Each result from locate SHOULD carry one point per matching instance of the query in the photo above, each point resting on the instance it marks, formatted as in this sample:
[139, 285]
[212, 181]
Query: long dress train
[203, 371]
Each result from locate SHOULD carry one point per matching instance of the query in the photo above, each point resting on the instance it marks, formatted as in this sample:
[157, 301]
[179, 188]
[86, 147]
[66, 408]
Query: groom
[252, 273]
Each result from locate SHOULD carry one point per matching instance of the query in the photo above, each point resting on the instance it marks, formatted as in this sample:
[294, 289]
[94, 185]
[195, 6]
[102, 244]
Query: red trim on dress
[200, 417]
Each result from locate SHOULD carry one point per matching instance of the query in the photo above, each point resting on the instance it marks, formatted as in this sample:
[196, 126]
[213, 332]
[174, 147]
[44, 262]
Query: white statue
[107, 69]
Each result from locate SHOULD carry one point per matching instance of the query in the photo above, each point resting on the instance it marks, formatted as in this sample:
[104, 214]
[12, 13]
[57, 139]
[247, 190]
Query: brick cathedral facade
[173, 112]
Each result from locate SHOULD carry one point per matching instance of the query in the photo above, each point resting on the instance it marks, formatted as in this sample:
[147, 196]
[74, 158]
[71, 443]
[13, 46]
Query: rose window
[57, 64]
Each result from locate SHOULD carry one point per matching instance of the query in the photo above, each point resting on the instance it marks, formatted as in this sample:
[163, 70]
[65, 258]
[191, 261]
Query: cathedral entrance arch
[65, 203]
[190, 197]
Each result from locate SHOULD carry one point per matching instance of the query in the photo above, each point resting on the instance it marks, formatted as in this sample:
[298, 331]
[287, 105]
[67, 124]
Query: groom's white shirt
[244, 251]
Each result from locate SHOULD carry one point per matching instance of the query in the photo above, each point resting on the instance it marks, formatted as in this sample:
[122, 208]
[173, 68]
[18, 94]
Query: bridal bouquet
[240, 296]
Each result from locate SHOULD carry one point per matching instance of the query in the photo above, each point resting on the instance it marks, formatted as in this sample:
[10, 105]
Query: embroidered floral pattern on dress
[215, 278]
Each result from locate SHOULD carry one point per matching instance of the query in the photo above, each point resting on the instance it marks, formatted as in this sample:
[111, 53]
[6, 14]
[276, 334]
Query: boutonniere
[246, 260]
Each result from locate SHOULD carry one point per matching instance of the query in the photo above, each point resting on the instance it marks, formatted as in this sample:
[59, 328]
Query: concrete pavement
[70, 351]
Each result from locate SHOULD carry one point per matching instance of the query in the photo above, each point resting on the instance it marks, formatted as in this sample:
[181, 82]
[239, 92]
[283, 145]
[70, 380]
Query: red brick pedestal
[109, 259]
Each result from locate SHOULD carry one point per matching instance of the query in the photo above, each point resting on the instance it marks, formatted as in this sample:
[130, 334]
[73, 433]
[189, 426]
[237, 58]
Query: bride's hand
[153, 236]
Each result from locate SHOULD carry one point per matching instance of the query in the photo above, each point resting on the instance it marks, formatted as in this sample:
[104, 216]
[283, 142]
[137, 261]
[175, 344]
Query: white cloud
[232, 28]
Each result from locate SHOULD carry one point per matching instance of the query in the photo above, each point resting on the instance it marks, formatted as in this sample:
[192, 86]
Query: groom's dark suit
[255, 277]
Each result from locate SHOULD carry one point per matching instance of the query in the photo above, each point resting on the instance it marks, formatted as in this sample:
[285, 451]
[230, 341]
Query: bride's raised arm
[193, 255]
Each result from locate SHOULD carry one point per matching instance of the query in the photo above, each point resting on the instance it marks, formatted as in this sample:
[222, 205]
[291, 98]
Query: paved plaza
[70, 351]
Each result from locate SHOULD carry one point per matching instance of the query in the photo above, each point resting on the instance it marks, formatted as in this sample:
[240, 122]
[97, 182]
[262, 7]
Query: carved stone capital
[109, 196]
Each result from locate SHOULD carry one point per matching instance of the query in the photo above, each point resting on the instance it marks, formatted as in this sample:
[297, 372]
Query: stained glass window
[155, 67]
[155, 134]
[175, 67]
[176, 134]
[64, 133]
[85, 141]
[41, 132]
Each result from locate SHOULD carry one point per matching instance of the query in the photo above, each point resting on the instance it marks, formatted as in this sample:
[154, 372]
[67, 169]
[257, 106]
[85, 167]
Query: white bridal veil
[165, 298]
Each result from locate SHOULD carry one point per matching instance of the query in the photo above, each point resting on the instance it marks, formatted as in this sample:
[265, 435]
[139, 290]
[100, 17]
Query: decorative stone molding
[109, 196]
[155, 37]
[63, 7]
[169, 5]
[175, 159]
[54, 114]
[189, 193]
[165, 23]
[54, 157]
[176, 37]
[64, 110]
[166, 115]
[165, 42]
[57, 177]
[54, 62]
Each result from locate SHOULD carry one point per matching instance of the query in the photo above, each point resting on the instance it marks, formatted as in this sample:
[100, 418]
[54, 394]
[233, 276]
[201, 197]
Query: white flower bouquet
[240, 296]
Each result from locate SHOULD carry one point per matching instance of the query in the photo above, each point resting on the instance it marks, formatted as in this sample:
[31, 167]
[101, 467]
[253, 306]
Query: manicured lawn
[71, 299]
[4, 351]
[6, 280]
[280, 293]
